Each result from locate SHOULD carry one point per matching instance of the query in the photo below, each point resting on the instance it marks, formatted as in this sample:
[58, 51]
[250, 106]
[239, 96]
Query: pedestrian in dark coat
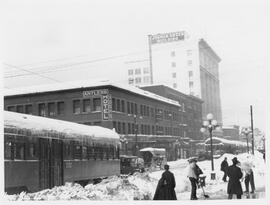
[234, 185]
[165, 187]
[223, 167]
[249, 179]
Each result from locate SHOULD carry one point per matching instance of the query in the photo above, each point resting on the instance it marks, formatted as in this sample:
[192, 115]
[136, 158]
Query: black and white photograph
[124, 100]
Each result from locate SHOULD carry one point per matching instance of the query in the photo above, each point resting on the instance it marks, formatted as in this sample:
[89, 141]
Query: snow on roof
[84, 84]
[151, 149]
[226, 141]
[70, 129]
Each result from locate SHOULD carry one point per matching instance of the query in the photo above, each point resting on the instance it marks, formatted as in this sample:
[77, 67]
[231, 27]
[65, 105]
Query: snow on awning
[68, 130]
[154, 151]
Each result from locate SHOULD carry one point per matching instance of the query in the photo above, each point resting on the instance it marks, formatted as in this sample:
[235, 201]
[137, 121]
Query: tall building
[188, 65]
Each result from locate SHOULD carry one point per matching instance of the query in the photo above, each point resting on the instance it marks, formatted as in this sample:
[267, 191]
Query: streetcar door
[56, 162]
[51, 163]
[44, 165]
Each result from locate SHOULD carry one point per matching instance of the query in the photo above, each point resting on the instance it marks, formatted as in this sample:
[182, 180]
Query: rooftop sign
[167, 37]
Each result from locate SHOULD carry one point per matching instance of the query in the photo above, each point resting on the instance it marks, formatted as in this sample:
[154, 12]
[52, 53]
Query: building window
[132, 108]
[76, 106]
[60, 108]
[137, 71]
[173, 64]
[190, 84]
[174, 75]
[20, 108]
[86, 105]
[51, 109]
[172, 53]
[124, 128]
[130, 72]
[130, 81]
[97, 104]
[41, 109]
[128, 107]
[119, 127]
[189, 52]
[135, 109]
[11, 108]
[146, 79]
[174, 85]
[138, 80]
[189, 62]
[118, 105]
[29, 109]
[190, 73]
[113, 104]
[146, 70]
[122, 106]
[129, 128]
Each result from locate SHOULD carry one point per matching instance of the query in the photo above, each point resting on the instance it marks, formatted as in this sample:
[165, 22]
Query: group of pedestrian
[166, 185]
[165, 188]
[235, 175]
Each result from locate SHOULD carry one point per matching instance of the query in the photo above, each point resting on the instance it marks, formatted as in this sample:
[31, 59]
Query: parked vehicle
[154, 157]
[131, 164]
[42, 153]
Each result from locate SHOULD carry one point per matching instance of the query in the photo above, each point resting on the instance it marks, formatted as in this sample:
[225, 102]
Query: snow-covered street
[141, 186]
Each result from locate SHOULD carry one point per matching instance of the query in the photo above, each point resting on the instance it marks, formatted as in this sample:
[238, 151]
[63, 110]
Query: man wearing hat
[234, 184]
[166, 185]
[193, 174]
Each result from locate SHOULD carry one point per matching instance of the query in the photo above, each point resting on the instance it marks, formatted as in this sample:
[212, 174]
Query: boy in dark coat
[165, 187]
[224, 166]
[234, 185]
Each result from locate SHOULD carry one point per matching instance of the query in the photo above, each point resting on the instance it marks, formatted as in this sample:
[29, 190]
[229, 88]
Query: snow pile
[136, 187]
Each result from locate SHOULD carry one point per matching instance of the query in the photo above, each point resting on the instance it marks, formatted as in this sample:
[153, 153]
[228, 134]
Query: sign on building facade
[106, 101]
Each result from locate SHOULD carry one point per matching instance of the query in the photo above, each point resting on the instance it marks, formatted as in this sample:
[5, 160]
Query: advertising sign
[106, 101]
[167, 37]
[107, 107]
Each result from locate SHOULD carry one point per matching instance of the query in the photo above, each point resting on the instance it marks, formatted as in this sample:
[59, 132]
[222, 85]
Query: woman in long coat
[234, 184]
[165, 187]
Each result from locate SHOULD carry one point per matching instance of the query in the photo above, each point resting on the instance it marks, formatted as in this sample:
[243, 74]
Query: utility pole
[252, 132]
[150, 56]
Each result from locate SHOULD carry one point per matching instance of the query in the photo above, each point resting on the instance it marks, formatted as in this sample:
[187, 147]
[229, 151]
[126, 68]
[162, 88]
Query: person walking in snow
[234, 184]
[223, 167]
[193, 174]
[166, 185]
[249, 179]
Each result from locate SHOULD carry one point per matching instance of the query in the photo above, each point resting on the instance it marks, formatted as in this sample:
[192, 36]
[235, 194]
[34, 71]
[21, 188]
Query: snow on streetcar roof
[72, 129]
[84, 84]
[226, 141]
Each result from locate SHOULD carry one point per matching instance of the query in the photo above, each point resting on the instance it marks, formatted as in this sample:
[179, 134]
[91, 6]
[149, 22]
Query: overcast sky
[50, 33]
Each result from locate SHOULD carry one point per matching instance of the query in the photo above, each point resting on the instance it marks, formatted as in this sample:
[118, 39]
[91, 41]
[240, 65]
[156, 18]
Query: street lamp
[210, 125]
[246, 131]
[136, 132]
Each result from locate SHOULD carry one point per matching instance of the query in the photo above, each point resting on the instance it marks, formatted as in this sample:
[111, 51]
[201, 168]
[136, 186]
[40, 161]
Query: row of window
[58, 108]
[139, 80]
[138, 71]
[23, 150]
[189, 53]
[132, 128]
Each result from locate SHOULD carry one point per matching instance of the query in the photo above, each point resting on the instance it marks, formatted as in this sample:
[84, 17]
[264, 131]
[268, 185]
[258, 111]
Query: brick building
[141, 118]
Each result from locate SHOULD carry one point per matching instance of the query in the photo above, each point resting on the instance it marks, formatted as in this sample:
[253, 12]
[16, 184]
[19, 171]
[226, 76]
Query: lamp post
[210, 125]
[136, 132]
[246, 131]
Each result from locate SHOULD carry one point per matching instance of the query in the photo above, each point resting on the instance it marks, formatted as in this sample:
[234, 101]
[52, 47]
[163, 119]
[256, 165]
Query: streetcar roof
[69, 129]
[225, 141]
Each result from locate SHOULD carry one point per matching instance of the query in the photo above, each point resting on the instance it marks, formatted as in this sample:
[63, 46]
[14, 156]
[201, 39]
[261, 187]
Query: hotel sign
[107, 107]
[106, 101]
[167, 37]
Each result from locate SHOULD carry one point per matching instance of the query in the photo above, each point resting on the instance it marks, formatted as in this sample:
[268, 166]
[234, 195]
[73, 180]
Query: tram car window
[77, 151]
[84, 152]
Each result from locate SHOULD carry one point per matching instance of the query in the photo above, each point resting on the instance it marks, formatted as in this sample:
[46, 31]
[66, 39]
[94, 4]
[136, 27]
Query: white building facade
[188, 65]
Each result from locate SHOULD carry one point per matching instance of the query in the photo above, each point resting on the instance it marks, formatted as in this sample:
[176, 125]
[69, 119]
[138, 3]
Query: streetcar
[41, 153]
